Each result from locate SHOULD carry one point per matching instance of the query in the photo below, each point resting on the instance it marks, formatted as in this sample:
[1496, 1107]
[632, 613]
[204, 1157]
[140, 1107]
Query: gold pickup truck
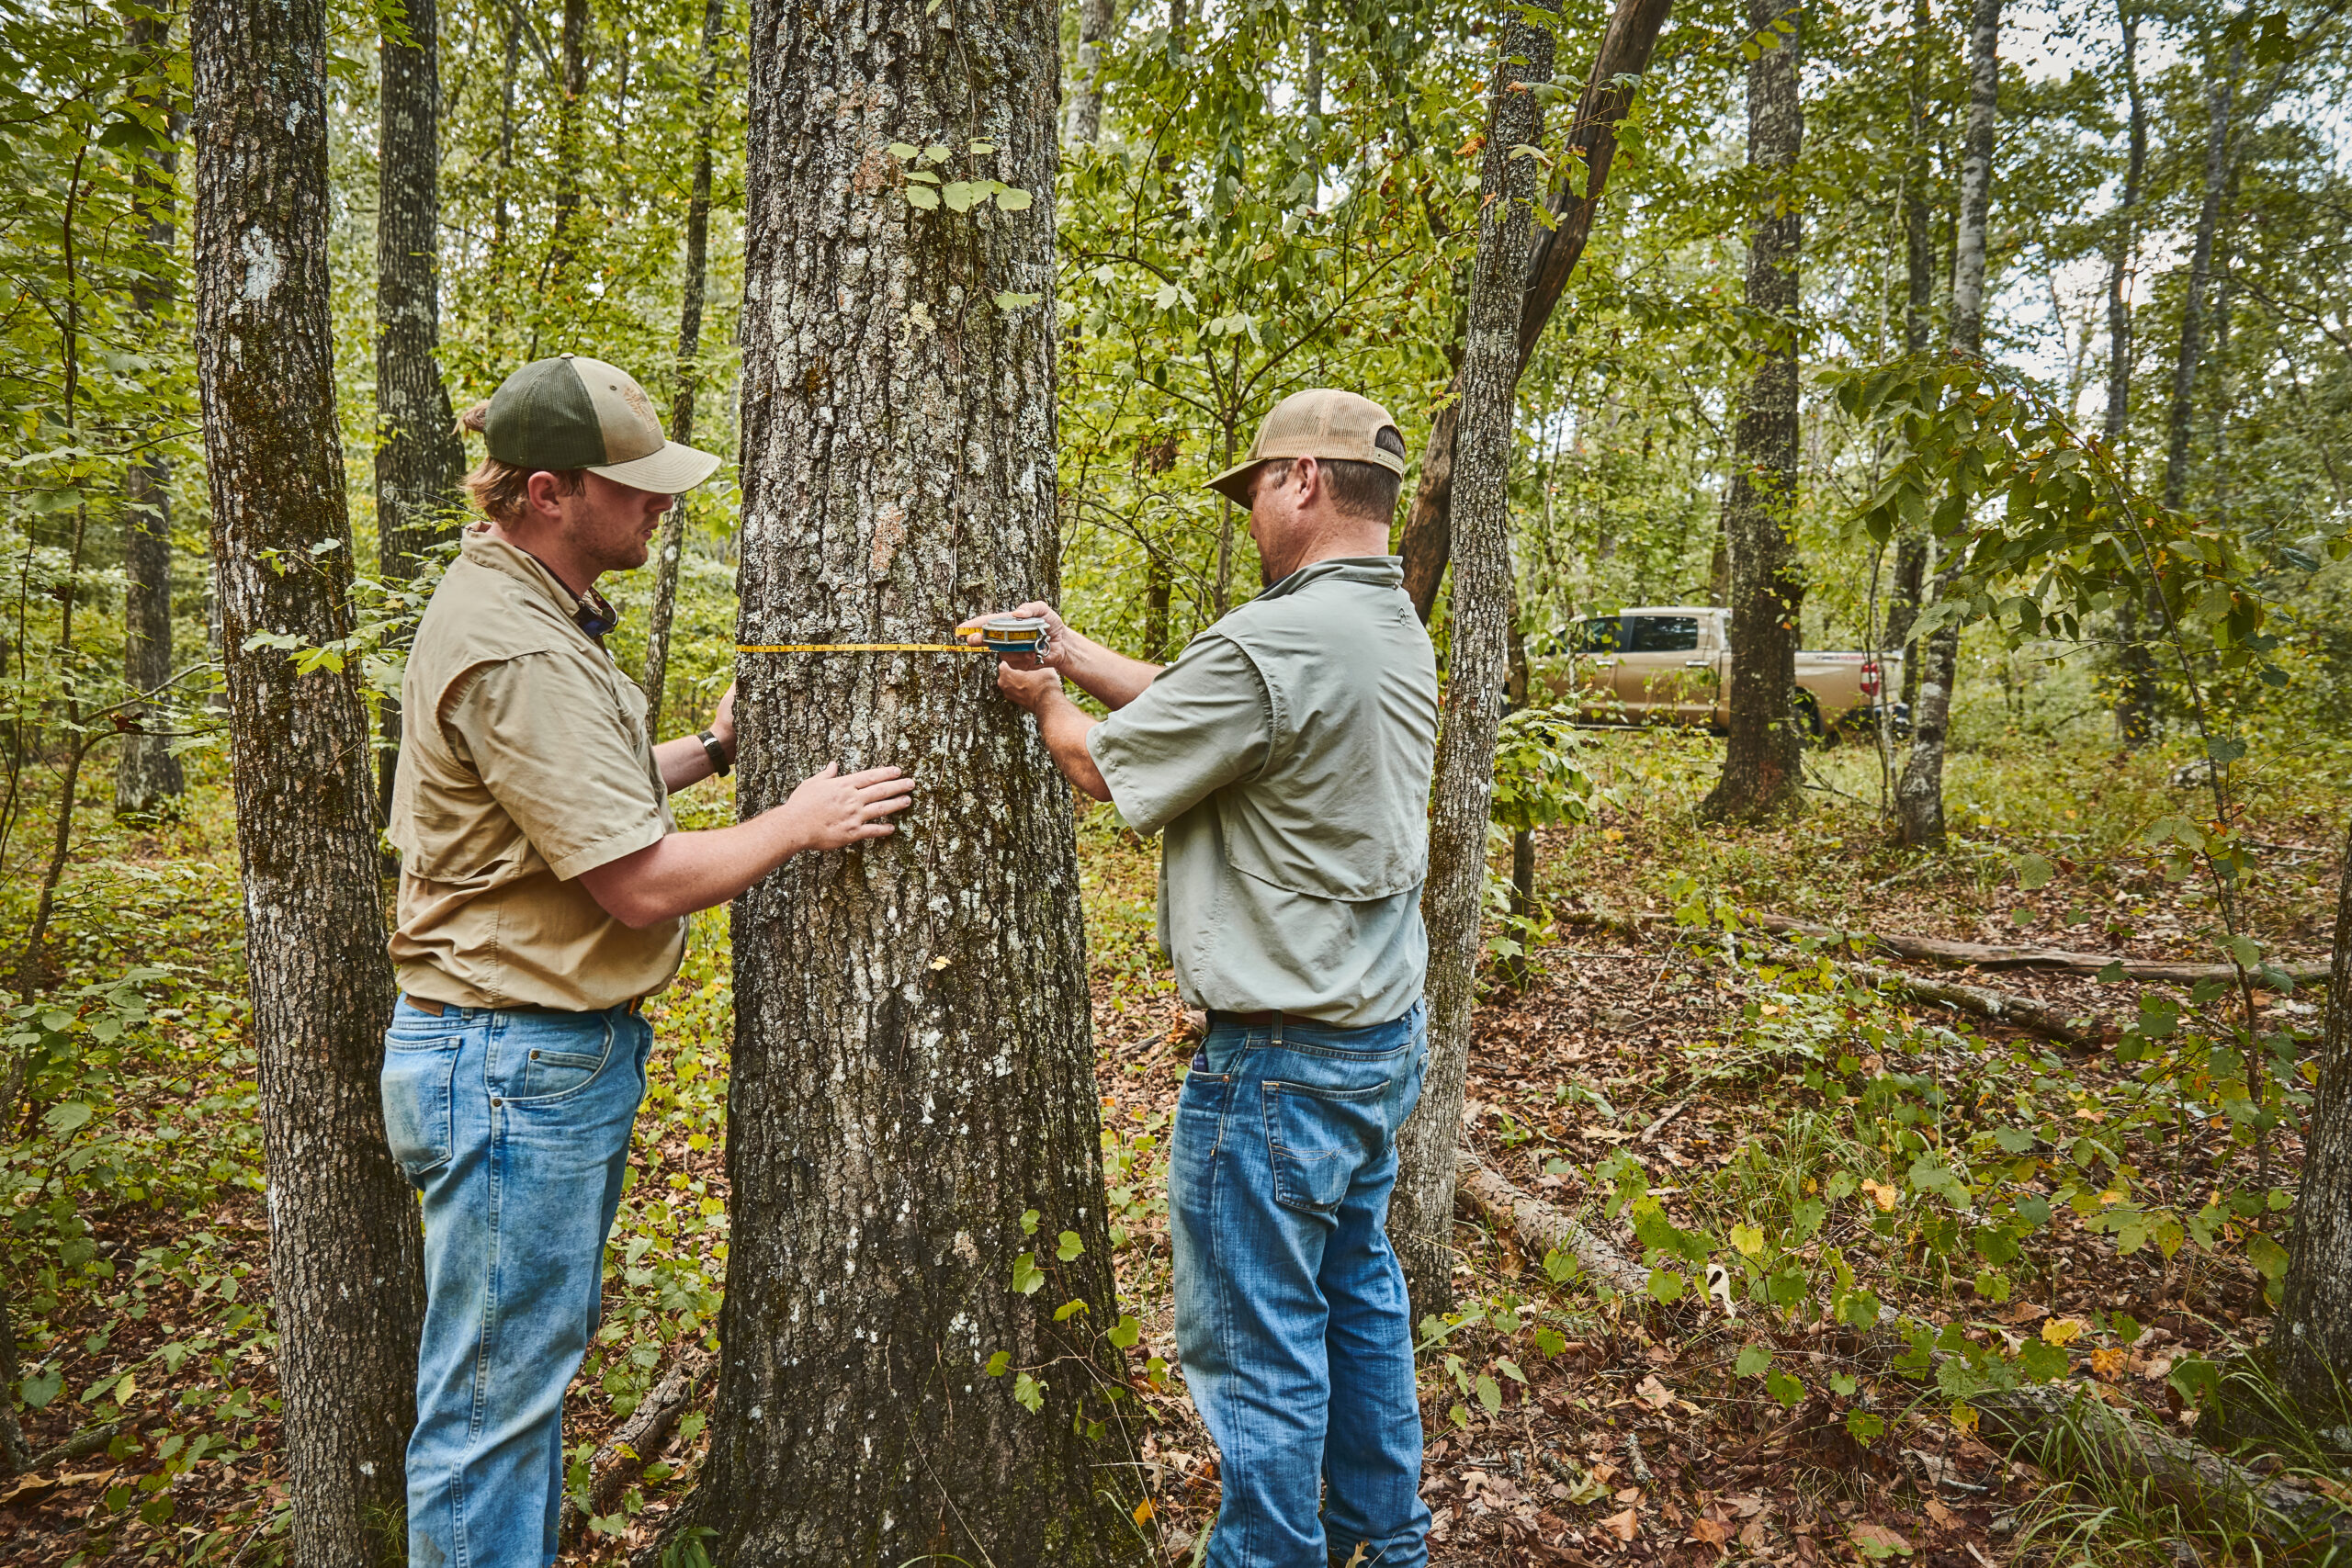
[1671, 664]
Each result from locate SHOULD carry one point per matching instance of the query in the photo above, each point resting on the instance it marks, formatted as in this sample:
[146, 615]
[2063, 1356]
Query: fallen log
[1985, 955]
[80, 1445]
[1978, 1001]
[1543, 1229]
[639, 1441]
[2077, 1431]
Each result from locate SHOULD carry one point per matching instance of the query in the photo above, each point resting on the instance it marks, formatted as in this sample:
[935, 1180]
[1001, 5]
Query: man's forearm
[683, 762]
[1110, 678]
[1064, 726]
[685, 872]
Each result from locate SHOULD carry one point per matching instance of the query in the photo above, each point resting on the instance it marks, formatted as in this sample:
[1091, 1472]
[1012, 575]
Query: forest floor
[1693, 1099]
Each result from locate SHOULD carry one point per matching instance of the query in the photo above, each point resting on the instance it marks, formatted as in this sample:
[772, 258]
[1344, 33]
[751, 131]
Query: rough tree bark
[146, 773]
[682, 409]
[1763, 760]
[2221, 97]
[2135, 698]
[1624, 55]
[1920, 797]
[419, 456]
[913, 1066]
[2310, 1339]
[1420, 1217]
[346, 1280]
[1094, 25]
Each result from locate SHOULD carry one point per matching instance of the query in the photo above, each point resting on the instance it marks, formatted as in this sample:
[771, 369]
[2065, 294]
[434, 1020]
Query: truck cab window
[1596, 636]
[1661, 634]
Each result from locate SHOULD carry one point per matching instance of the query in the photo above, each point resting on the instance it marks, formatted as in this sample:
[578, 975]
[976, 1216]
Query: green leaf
[1009, 300]
[2225, 749]
[903, 151]
[1748, 1238]
[1013, 200]
[1029, 1221]
[1068, 1310]
[1666, 1285]
[2267, 1256]
[997, 1364]
[1124, 1333]
[1788, 1390]
[1029, 1393]
[1752, 1361]
[67, 1116]
[1510, 1368]
[958, 195]
[1026, 1276]
[1549, 1342]
[1863, 1427]
[2034, 872]
[1491, 1393]
[37, 1390]
[922, 196]
[1069, 1248]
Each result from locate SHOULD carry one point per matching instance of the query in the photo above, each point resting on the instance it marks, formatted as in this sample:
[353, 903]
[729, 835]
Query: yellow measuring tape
[858, 647]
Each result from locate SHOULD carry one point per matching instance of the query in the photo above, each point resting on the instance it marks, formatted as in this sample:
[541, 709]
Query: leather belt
[1261, 1019]
[435, 1009]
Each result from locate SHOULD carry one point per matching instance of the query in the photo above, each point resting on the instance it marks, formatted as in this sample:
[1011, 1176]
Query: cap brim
[1237, 484]
[673, 470]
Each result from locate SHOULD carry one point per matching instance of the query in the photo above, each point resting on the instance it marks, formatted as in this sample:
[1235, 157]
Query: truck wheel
[1808, 712]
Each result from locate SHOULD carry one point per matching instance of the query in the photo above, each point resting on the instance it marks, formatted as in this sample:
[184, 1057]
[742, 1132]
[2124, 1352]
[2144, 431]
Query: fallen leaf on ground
[1654, 1394]
[1714, 1532]
[1944, 1517]
[1621, 1526]
[1877, 1540]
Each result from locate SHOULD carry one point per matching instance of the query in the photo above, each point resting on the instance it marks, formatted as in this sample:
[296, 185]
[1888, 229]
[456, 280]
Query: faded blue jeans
[1291, 1315]
[515, 1127]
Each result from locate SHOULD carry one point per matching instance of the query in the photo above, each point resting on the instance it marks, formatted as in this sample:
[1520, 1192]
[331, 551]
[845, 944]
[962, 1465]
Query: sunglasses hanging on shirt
[595, 616]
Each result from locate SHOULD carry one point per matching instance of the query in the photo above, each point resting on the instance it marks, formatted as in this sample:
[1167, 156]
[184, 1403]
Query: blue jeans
[515, 1127]
[1291, 1315]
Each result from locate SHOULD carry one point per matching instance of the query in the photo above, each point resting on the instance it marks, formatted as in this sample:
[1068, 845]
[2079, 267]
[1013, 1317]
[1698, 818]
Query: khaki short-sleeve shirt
[525, 762]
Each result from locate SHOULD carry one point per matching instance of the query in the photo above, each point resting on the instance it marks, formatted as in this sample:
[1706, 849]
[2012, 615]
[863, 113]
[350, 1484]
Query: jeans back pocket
[1319, 1139]
[418, 1085]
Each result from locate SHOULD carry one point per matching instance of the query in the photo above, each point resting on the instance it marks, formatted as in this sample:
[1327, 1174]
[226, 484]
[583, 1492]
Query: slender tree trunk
[2310, 1339]
[2135, 700]
[682, 412]
[511, 60]
[1158, 591]
[13, 1454]
[419, 456]
[1920, 796]
[1762, 759]
[913, 1062]
[1624, 55]
[1094, 24]
[146, 773]
[1918, 332]
[345, 1255]
[2220, 96]
[560, 236]
[1420, 1217]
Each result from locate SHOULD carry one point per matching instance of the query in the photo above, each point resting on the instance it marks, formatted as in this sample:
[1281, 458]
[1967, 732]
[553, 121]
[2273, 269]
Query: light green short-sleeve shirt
[1284, 758]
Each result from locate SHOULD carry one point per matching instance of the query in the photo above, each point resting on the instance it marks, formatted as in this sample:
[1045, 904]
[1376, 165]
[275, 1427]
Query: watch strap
[720, 763]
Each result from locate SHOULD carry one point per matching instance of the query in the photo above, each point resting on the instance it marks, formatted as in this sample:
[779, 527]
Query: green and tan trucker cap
[1319, 422]
[576, 412]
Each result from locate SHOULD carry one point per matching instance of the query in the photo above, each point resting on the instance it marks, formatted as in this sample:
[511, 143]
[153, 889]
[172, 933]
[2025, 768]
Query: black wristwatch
[720, 763]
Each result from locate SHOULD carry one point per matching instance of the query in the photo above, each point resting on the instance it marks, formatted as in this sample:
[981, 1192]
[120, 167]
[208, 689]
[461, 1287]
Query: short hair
[499, 490]
[1366, 491]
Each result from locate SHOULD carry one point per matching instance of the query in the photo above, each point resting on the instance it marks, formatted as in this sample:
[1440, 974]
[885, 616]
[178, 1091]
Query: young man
[1284, 758]
[543, 893]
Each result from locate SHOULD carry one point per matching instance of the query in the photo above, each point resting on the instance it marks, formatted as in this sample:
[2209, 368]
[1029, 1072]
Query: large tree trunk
[419, 456]
[1420, 1217]
[345, 1255]
[1763, 768]
[1094, 23]
[1920, 797]
[1624, 55]
[914, 1063]
[2135, 698]
[2310, 1339]
[682, 410]
[146, 773]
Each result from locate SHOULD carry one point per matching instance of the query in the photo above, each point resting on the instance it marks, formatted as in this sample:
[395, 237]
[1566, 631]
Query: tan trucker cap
[576, 412]
[1322, 422]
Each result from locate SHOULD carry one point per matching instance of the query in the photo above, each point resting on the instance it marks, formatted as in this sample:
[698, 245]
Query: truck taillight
[1870, 678]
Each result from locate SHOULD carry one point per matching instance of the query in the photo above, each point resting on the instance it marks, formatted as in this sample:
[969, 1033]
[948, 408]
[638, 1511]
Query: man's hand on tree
[722, 725]
[1059, 647]
[833, 810]
[1024, 684]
